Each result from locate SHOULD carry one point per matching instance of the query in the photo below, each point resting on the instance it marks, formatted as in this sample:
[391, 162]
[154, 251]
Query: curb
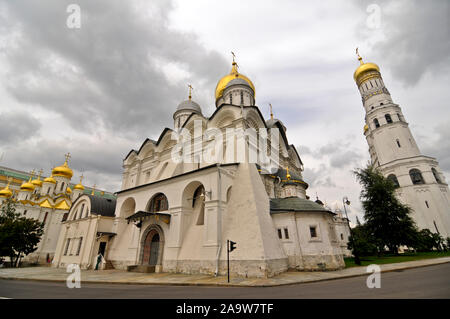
[437, 262]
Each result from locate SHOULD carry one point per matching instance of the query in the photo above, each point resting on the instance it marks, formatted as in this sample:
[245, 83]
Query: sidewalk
[124, 277]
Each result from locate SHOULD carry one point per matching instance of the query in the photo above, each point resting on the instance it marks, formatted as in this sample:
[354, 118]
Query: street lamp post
[344, 202]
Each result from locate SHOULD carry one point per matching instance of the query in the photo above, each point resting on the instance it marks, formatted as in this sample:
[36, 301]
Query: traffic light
[232, 246]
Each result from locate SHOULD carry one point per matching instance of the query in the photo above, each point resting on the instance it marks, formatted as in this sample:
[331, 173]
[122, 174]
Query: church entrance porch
[151, 250]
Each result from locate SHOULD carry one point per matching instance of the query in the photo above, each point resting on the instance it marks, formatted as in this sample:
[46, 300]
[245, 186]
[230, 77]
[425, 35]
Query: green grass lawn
[389, 259]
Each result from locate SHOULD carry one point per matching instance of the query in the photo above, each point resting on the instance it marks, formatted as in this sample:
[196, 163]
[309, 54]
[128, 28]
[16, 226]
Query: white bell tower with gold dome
[393, 150]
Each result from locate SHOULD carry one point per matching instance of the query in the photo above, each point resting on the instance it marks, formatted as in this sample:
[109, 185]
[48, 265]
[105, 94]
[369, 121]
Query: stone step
[141, 268]
[109, 265]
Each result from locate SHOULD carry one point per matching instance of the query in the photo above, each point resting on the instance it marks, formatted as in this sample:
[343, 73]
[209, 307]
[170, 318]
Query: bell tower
[394, 151]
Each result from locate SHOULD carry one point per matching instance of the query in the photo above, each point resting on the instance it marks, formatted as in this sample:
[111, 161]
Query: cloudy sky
[100, 90]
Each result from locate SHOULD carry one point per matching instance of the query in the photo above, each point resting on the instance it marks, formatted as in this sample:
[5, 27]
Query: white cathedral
[175, 216]
[393, 150]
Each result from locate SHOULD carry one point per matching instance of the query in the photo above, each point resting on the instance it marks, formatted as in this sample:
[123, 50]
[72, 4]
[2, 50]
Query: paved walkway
[124, 277]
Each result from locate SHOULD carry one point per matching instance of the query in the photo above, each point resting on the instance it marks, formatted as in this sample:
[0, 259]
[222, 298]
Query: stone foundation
[240, 268]
[322, 262]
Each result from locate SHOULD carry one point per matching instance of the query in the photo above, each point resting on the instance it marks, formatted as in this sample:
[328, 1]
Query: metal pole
[228, 259]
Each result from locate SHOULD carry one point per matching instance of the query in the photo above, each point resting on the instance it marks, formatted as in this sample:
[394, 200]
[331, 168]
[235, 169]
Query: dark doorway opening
[102, 248]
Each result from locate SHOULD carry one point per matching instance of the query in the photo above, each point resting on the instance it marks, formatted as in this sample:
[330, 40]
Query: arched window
[199, 194]
[398, 143]
[199, 199]
[159, 203]
[416, 176]
[436, 175]
[388, 118]
[377, 124]
[394, 180]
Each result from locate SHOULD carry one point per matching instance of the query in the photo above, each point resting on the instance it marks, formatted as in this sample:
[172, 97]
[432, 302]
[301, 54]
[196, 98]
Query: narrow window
[366, 86]
[394, 180]
[399, 117]
[377, 124]
[371, 84]
[62, 186]
[426, 203]
[48, 190]
[231, 98]
[82, 211]
[24, 212]
[342, 236]
[436, 175]
[280, 235]
[242, 97]
[79, 246]
[45, 217]
[435, 226]
[67, 247]
[313, 231]
[388, 118]
[398, 143]
[286, 233]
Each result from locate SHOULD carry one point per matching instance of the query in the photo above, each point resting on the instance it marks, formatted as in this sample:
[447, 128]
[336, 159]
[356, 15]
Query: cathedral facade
[175, 215]
[394, 151]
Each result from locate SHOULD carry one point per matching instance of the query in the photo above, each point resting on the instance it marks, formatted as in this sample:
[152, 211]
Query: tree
[19, 236]
[427, 241]
[361, 243]
[387, 220]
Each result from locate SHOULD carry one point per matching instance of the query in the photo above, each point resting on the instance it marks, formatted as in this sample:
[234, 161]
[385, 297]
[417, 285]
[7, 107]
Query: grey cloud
[345, 159]
[318, 177]
[17, 127]
[417, 37]
[441, 149]
[100, 162]
[340, 154]
[107, 73]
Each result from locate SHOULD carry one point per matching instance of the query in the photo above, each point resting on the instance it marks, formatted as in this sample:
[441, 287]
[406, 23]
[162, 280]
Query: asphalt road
[425, 282]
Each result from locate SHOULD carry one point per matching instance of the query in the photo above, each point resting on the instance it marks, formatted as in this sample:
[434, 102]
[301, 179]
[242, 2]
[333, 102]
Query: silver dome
[237, 81]
[189, 105]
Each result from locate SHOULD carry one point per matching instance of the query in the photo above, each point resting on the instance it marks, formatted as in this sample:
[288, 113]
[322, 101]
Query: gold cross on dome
[234, 56]
[271, 113]
[359, 57]
[81, 178]
[67, 156]
[190, 91]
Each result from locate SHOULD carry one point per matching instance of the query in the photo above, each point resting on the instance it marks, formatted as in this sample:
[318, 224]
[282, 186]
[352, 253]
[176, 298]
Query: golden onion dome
[234, 74]
[6, 192]
[37, 182]
[68, 190]
[63, 170]
[50, 180]
[27, 187]
[79, 187]
[363, 68]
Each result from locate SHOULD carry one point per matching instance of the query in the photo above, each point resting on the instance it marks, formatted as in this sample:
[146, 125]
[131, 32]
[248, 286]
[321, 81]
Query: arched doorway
[152, 248]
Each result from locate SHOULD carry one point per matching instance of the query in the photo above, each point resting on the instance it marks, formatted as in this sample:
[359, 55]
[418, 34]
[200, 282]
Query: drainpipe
[219, 218]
